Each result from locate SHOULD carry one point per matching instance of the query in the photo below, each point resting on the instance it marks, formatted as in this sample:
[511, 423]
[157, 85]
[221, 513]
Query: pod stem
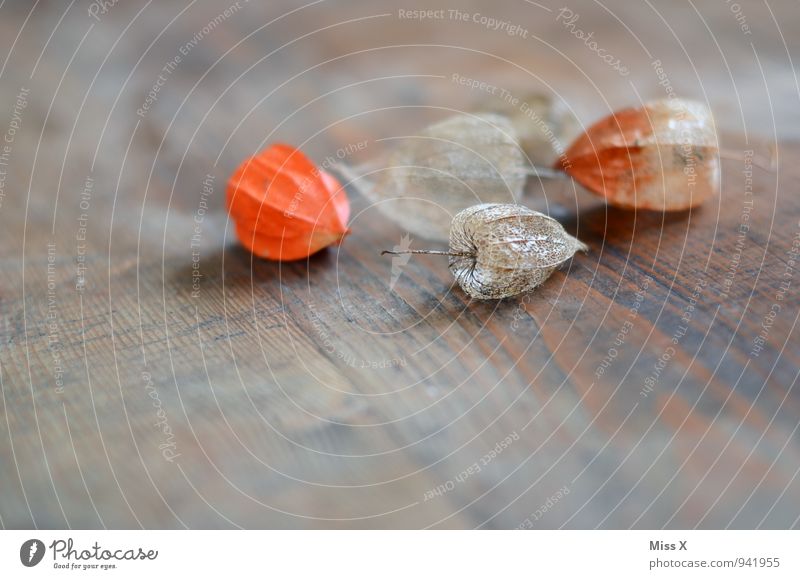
[546, 172]
[425, 252]
[350, 174]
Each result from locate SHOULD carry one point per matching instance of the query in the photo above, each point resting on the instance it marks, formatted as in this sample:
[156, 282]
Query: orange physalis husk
[663, 156]
[285, 208]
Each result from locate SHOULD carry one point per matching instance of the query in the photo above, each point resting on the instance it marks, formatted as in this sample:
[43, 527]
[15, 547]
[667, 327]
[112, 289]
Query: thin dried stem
[425, 252]
[353, 175]
[546, 172]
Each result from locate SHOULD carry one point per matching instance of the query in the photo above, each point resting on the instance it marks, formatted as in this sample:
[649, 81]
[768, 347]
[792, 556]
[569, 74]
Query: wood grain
[626, 392]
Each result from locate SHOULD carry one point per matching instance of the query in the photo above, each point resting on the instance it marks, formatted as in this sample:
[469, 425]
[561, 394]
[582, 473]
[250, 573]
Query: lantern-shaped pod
[285, 208]
[663, 156]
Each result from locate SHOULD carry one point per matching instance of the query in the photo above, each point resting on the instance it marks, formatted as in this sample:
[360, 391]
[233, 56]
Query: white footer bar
[406, 554]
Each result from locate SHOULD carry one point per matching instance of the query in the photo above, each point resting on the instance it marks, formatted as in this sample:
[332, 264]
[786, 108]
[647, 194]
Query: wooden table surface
[650, 383]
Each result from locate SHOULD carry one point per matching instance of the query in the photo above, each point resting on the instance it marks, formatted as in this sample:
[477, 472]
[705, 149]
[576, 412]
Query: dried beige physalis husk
[463, 160]
[501, 250]
[545, 126]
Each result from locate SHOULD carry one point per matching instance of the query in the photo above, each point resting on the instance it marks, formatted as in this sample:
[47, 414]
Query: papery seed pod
[285, 208]
[545, 126]
[501, 250]
[461, 161]
[663, 156]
